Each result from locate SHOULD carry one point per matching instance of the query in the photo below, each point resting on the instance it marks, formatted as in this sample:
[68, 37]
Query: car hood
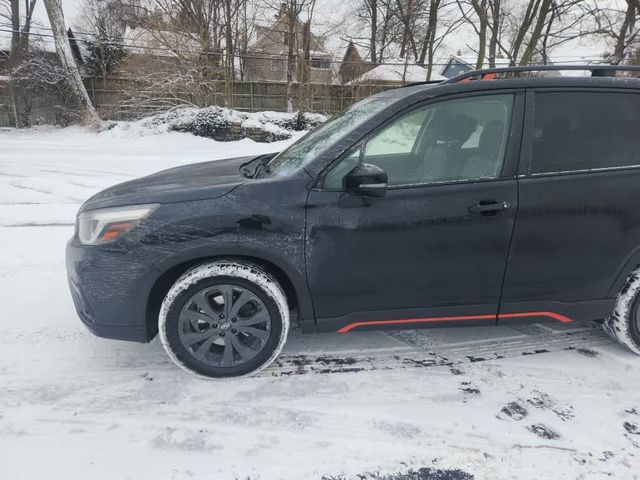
[197, 181]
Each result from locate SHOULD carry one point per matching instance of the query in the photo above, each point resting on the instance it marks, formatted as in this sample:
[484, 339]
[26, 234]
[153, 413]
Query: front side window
[585, 130]
[456, 140]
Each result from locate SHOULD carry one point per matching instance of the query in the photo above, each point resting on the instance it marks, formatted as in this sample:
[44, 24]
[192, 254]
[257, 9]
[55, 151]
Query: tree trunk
[26, 29]
[373, 5]
[523, 29]
[304, 82]
[495, 32]
[15, 25]
[229, 71]
[545, 38]
[87, 114]
[483, 17]
[482, 45]
[527, 56]
[621, 43]
[291, 57]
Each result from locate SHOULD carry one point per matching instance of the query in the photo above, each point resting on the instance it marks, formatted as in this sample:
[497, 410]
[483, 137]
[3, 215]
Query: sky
[71, 10]
[336, 20]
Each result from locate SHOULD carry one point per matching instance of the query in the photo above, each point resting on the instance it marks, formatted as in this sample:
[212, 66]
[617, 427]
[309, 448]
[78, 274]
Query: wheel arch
[630, 265]
[293, 283]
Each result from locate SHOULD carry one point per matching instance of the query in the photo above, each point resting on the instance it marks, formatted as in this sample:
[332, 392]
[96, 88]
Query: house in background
[354, 69]
[458, 64]
[266, 58]
[353, 64]
[455, 66]
[153, 49]
[5, 50]
[393, 73]
[40, 41]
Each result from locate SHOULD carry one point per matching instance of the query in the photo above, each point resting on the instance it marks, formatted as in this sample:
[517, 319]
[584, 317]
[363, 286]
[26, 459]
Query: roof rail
[491, 73]
[425, 82]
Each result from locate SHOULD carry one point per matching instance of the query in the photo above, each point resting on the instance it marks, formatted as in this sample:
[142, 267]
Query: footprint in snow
[587, 352]
[606, 455]
[514, 410]
[466, 387]
[632, 428]
[543, 432]
[543, 401]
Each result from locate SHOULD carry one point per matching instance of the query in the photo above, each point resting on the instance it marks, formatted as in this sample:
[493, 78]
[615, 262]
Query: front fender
[294, 273]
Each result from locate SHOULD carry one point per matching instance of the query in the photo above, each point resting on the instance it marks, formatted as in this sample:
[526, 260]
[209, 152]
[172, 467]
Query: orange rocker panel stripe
[555, 316]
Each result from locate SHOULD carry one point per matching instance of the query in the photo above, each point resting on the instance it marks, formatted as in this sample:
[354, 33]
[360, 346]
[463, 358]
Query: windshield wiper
[260, 168]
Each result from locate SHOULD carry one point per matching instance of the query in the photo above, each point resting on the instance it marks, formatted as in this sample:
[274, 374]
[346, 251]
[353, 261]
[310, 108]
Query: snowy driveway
[526, 402]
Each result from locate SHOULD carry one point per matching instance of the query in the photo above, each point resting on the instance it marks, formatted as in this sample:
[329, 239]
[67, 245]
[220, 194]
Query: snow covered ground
[528, 402]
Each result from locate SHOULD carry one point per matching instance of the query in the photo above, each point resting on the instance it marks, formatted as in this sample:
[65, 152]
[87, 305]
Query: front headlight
[106, 224]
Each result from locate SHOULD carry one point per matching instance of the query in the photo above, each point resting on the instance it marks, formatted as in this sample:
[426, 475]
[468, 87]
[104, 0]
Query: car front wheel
[624, 324]
[224, 319]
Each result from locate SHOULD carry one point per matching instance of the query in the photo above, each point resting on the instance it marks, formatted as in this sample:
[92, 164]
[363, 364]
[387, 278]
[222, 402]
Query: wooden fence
[113, 100]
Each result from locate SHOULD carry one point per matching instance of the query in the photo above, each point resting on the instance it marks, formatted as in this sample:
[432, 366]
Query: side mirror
[367, 180]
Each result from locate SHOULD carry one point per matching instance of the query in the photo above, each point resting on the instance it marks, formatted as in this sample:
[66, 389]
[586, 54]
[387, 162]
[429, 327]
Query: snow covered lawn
[494, 403]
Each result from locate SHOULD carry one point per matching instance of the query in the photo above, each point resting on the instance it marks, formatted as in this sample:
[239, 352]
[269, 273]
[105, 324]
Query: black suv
[468, 202]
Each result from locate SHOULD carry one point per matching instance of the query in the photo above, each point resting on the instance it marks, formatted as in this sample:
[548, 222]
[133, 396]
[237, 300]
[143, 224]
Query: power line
[253, 56]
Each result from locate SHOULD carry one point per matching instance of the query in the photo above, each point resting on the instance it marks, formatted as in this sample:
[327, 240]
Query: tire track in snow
[535, 340]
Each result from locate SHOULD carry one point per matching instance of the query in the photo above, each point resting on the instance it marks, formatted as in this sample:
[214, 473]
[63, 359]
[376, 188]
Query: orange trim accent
[555, 316]
[351, 326]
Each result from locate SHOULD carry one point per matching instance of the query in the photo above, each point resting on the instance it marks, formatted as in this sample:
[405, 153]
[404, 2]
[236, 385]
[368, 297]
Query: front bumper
[110, 286]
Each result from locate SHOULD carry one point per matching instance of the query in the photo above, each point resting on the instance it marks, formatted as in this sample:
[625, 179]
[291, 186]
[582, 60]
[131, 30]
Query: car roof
[430, 90]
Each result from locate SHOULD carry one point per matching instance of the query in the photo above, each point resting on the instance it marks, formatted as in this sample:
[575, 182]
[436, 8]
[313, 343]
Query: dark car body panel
[124, 272]
[201, 181]
[415, 257]
[367, 262]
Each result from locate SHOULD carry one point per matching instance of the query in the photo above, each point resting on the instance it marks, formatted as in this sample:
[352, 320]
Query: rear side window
[585, 130]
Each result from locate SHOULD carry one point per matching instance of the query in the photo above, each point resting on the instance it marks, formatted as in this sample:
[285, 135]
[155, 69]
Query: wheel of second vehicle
[224, 319]
[624, 324]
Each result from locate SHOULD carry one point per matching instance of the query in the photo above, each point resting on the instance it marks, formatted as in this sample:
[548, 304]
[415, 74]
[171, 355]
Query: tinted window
[456, 140]
[585, 130]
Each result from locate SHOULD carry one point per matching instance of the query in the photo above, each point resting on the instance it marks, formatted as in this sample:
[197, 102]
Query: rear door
[578, 225]
[433, 250]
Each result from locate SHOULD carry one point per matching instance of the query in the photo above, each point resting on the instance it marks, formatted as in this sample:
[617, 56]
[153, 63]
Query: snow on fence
[114, 100]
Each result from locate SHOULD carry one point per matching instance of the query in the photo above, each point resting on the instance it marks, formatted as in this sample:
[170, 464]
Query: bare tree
[379, 19]
[478, 15]
[86, 113]
[371, 9]
[304, 87]
[525, 31]
[288, 15]
[15, 24]
[10, 17]
[439, 26]
[106, 23]
[619, 22]
[233, 12]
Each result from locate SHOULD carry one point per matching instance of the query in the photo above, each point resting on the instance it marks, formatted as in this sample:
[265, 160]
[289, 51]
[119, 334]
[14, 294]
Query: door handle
[489, 207]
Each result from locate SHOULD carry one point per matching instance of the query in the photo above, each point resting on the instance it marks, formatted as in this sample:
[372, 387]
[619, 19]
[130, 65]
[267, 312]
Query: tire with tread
[244, 274]
[623, 325]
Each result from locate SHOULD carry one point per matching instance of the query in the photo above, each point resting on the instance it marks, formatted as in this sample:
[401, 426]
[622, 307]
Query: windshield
[304, 150]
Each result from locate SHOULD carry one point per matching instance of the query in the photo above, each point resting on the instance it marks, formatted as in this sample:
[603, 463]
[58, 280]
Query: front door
[433, 250]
